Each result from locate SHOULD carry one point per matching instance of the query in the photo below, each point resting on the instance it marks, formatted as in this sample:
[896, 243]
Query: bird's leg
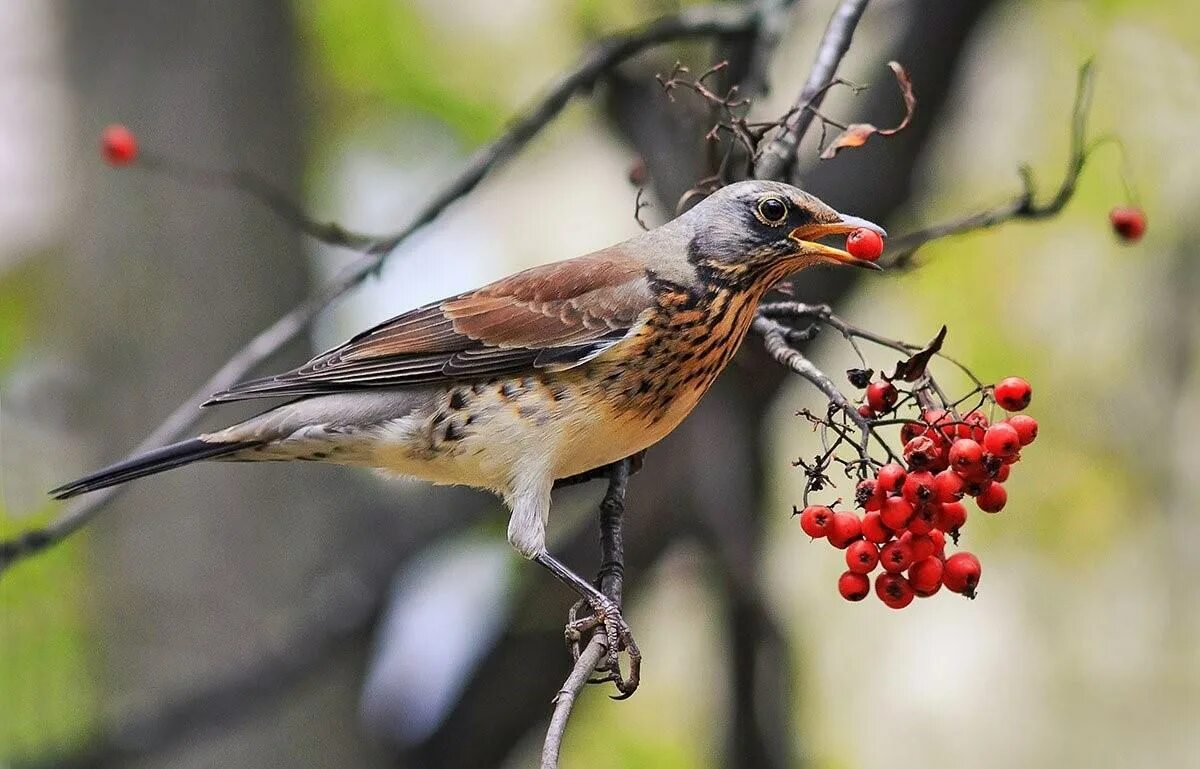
[609, 583]
[606, 615]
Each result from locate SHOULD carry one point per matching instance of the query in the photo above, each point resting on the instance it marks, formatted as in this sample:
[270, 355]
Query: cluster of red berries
[909, 509]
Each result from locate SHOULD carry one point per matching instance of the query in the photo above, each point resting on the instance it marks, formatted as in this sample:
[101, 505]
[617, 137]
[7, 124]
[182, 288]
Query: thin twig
[777, 158]
[705, 21]
[564, 701]
[611, 581]
[1023, 206]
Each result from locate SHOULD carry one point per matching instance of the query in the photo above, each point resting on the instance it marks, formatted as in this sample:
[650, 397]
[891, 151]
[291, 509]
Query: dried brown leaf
[856, 134]
[913, 368]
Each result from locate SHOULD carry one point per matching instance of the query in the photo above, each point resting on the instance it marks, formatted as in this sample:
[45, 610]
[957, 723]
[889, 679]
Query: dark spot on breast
[453, 432]
[320, 455]
[458, 399]
[508, 390]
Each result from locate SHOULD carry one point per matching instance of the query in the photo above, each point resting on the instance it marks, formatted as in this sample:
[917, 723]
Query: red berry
[910, 430]
[966, 456]
[962, 573]
[815, 520]
[862, 557]
[881, 396]
[864, 244]
[119, 145]
[843, 529]
[920, 453]
[1128, 222]
[853, 586]
[923, 545]
[890, 478]
[974, 487]
[873, 529]
[1002, 473]
[918, 487]
[925, 576]
[893, 590]
[1025, 426]
[924, 518]
[1002, 440]
[992, 499]
[952, 516]
[895, 513]
[948, 486]
[867, 495]
[866, 412]
[1013, 393]
[974, 425]
[896, 555]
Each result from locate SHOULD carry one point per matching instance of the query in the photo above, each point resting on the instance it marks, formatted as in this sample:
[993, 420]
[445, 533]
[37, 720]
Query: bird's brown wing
[550, 317]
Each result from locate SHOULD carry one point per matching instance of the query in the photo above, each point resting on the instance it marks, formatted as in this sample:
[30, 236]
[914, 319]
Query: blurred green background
[1083, 648]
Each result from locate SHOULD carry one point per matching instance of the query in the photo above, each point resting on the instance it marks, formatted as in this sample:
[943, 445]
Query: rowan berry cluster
[911, 504]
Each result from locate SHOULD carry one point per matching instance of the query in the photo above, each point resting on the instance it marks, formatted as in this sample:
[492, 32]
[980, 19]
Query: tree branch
[778, 157]
[611, 579]
[704, 21]
[1023, 206]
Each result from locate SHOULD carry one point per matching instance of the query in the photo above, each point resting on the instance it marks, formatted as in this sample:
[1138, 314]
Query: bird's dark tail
[156, 461]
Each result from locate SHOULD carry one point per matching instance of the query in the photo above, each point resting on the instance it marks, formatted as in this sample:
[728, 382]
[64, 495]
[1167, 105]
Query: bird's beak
[806, 238]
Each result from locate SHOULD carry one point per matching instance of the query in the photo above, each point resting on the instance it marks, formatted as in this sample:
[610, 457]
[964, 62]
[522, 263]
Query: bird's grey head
[765, 225]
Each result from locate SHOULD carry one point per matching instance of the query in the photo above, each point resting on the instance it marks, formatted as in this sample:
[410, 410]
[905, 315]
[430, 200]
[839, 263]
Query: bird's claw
[618, 637]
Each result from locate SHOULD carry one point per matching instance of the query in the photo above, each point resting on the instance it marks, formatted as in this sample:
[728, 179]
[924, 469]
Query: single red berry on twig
[962, 573]
[890, 477]
[1002, 440]
[1025, 426]
[896, 555]
[814, 520]
[119, 145]
[1129, 222]
[873, 529]
[843, 529]
[993, 498]
[1013, 393]
[862, 557]
[925, 576]
[854, 586]
[895, 513]
[893, 590]
[881, 396]
[865, 244]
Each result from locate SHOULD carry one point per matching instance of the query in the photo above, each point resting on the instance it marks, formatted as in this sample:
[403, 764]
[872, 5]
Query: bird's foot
[606, 617]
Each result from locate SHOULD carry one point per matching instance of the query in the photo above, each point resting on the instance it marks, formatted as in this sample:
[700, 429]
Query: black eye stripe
[771, 211]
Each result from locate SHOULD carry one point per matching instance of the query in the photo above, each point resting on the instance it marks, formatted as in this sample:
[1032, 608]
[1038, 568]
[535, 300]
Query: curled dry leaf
[913, 368]
[856, 134]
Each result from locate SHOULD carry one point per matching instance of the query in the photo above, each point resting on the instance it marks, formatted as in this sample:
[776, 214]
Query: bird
[549, 373]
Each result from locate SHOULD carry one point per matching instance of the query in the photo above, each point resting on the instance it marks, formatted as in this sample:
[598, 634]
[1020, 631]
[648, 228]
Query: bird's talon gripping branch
[607, 617]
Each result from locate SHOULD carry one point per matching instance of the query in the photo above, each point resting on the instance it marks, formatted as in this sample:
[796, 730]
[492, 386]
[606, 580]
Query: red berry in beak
[864, 244]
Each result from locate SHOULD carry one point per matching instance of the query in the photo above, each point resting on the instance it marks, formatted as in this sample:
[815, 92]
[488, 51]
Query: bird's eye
[771, 211]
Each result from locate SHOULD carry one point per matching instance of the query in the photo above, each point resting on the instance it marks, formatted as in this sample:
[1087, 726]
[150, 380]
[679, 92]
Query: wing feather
[550, 318]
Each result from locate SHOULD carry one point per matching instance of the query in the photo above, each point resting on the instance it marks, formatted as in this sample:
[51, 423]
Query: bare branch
[611, 581]
[777, 158]
[1023, 206]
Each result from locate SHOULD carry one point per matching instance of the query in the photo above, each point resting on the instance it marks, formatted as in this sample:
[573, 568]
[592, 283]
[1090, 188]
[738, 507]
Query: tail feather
[156, 461]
